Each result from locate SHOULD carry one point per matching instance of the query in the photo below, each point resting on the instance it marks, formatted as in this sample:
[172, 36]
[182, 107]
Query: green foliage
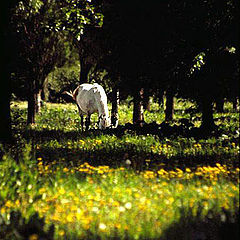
[76, 14]
[26, 8]
[198, 62]
[66, 77]
[23, 174]
[68, 15]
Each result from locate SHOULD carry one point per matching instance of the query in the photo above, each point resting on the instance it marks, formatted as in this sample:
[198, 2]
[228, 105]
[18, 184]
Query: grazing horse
[91, 98]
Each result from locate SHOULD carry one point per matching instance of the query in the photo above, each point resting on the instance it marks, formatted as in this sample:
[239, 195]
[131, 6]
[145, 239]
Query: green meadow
[58, 182]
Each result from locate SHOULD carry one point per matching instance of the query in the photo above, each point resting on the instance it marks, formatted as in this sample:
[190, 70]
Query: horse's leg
[87, 123]
[82, 117]
[82, 122]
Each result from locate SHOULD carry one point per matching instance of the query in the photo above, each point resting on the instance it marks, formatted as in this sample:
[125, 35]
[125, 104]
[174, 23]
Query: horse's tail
[68, 93]
[75, 93]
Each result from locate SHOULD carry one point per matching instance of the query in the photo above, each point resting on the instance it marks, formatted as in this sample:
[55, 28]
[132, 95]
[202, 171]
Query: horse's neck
[103, 109]
[101, 102]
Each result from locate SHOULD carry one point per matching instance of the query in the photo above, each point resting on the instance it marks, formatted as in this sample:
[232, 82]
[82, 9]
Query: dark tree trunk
[5, 119]
[138, 117]
[32, 107]
[207, 115]
[161, 101]
[115, 104]
[234, 103]
[7, 56]
[169, 111]
[220, 105]
[146, 101]
[84, 70]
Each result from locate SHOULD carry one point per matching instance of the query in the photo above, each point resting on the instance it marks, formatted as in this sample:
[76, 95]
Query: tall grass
[118, 185]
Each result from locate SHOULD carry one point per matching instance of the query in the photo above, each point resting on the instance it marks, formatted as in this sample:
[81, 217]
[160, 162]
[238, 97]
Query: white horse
[91, 98]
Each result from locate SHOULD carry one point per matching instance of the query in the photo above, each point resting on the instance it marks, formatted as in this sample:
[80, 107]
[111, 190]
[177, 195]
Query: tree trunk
[39, 101]
[84, 70]
[207, 115]
[146, 101]
[220, 105]
[234, 103]
[45, 91]
[161, 101]
[169, 111]
[32, 107]
[8, 51]
[115, 104]
[5, 119]
[138, 117]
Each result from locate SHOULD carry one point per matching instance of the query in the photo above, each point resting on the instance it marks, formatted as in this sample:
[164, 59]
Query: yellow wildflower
[61, 191]
[8, 204]
[33, 237]
[61, 233]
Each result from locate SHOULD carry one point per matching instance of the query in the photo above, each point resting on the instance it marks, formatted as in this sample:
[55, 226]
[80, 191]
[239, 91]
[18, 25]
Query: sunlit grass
[105, 201]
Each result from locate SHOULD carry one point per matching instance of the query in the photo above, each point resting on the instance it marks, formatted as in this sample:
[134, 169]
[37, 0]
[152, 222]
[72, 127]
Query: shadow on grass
[220, 226]
[140, 158]
[115, 155]
[182, 127]
[18, 228]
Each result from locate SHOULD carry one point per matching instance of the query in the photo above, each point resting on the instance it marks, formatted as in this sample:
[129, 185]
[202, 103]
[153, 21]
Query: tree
[217, 80]
[97, 58]
[169, 105]
[206, 29]
[65, 75]
[7, 50]
[138, 117]
[76, 17]
[38, 49]
[127, 51]
[158, 44]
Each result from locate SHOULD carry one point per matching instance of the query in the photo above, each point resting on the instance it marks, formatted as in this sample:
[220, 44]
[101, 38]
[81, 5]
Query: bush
[64, 78]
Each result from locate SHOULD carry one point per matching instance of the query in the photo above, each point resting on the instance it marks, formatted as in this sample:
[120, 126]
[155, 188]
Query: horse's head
[104, 121]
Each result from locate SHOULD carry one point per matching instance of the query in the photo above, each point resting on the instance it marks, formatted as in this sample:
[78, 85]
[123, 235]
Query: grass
[120, 184]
